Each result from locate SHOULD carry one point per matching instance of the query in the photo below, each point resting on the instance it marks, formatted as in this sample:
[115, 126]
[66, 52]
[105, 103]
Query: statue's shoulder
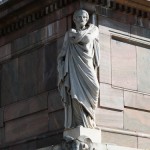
[93, 27]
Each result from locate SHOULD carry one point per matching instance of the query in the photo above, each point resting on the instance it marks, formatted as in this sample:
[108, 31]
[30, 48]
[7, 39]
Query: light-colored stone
[110, 97]
[93, 134]
[109, 118]
[143, 143]
[123, 65]
[114, 147]
[136, 120]
[124, 140]
[143, 64]
[105, 59]
[136, 100]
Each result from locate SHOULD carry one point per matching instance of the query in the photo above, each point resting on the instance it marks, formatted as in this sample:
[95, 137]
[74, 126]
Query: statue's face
[81, 18]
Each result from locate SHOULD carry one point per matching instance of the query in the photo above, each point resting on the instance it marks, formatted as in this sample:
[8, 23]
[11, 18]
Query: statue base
[93, 134]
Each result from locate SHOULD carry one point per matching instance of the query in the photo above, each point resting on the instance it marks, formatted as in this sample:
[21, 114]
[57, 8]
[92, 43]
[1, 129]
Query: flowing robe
[77, 81]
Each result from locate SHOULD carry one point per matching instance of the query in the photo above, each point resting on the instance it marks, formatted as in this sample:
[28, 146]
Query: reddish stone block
[26, 127]
[105, 59]
[143, 143]
[110, 97]
[124, 72]
[136, 120]
[136, 100]
[54, 101]
[124, 140]
[109, 118]
[56, 120]
[143, 61]
[9, 82]
[26, 107]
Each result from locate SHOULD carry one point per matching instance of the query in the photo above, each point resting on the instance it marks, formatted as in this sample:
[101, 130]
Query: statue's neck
[79, 28]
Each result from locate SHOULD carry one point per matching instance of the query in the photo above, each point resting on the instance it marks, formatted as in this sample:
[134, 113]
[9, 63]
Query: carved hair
[80, 11]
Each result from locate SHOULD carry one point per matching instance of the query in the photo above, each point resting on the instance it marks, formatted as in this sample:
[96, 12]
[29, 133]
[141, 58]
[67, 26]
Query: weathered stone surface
[143, 32]
[9, 82]
[25, 127]
[114, 147]
[124, 65]
[136, 100]
[23, 146]
[56, 120]
[110, 97]
[2, 136]
[21, 43]
[28, 66]
[26, 107]
[120, 27]
[5, 52]
[143, 143]
[38, 35]
[119, 139]
[109, 118]
[50, 68]
[1, 117]
[136, 120]
[54, 101]
[143, 61]
[105, 61]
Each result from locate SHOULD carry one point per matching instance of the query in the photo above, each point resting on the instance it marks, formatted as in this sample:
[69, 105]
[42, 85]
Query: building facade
[31, 36]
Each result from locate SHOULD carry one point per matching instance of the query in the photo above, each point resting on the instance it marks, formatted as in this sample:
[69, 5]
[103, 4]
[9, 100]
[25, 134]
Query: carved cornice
[139, 10]
[16, 16]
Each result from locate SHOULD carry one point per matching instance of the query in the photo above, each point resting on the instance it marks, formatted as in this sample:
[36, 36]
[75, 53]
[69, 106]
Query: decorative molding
[39, 13]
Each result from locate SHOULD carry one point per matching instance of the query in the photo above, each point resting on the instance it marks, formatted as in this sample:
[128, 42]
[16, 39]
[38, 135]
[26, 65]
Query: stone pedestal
[93, 134]
[81, 138]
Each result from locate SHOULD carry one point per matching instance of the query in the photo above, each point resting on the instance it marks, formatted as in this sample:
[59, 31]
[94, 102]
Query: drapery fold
[77, 79]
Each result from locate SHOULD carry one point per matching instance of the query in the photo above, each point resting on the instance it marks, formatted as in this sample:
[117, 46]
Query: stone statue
[77, 81]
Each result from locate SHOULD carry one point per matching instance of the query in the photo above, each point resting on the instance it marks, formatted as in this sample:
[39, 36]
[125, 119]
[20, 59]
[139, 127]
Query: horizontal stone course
[137, 100]
[119, 139]
[135, 120]
[54, 101]
[26, 107]
[26, 127]
[56, 120]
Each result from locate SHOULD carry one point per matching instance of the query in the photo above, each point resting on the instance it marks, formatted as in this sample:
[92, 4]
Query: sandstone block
[26, 127]
[25, 107]
[124, 73]
[124, 140]
[136, 120]
[109, 118]
[143, 61]
[110, 97]
[136, 100]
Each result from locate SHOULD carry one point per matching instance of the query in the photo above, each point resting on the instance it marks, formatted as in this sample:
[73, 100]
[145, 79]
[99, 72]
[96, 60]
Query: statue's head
[80, 17]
